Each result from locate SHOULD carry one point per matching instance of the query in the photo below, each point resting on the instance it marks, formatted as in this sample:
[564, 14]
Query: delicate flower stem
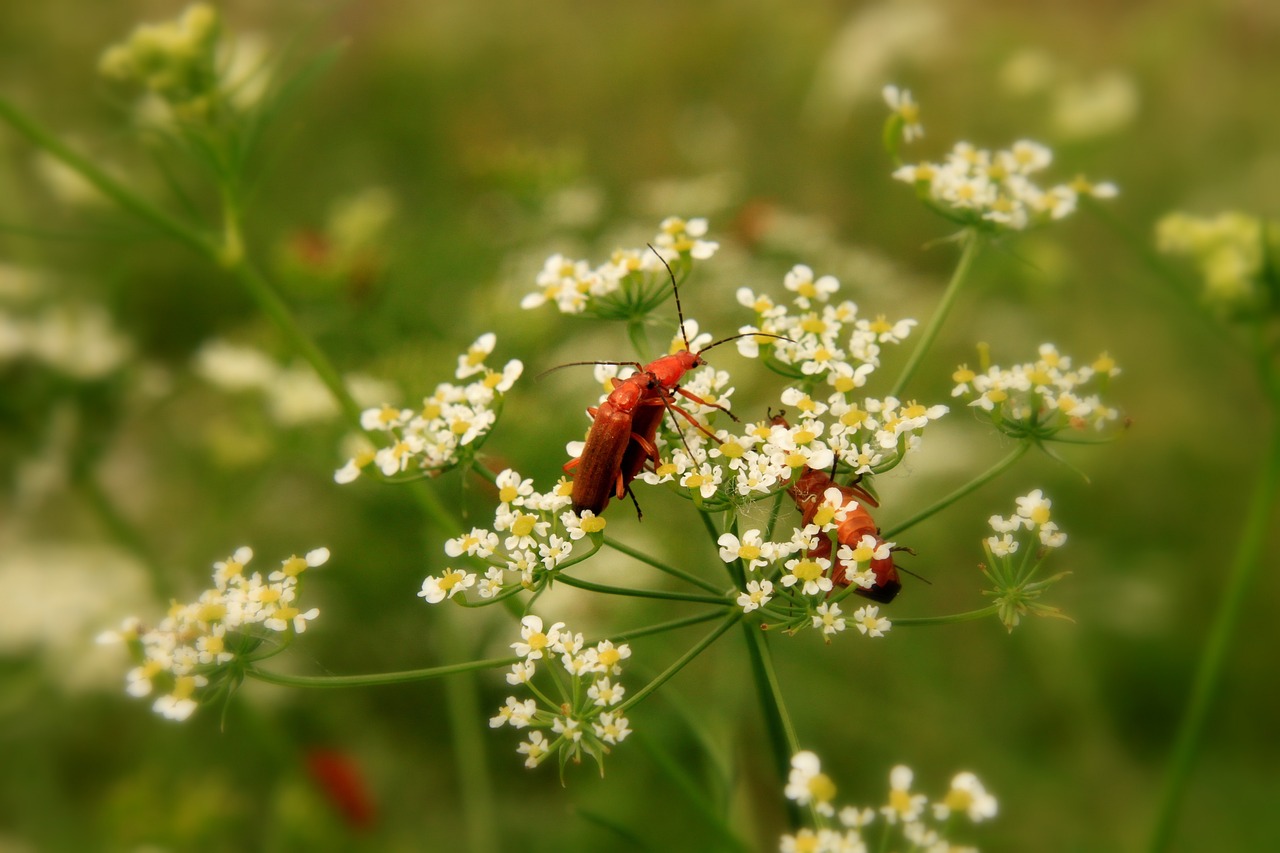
[778, 725]
[661, 566]
[228, 254]
[973, 485]
[635, 331]
[641, 593]
[123, 530]
[692, 792]
[972, 243]
[104, 183]
[378, 678]
[1244, 570]
[663, 627]
[683, 661]
[968, 616]
[462, 700]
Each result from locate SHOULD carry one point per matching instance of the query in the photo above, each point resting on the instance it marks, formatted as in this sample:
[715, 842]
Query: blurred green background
[499, 133]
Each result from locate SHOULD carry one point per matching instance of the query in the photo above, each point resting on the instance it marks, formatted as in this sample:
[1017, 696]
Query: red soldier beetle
[624, 429]
[807, 490]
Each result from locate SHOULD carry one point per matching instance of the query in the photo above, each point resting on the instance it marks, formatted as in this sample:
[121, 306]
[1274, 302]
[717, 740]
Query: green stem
[971, 486]
[642, 593]
[663, 627]
[462, 699]
[782, 734]
[104, 183]
[378, 678]
[691, 792]
[683, 661]
[124, 531]
[639, 341]
[1240, 583]
[972, 243]
[968, 616]
[278, 312]
[661, 566]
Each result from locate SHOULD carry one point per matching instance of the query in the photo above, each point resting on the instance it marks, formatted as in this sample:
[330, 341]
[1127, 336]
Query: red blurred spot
[340, 779]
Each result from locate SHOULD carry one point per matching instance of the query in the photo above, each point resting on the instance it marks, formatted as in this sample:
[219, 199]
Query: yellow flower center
[807, 570]
[211, 612]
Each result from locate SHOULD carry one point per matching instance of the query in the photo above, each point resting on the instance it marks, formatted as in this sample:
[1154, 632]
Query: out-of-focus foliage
[406, 200]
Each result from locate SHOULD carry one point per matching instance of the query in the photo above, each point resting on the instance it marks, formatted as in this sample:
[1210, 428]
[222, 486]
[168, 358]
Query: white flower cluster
[587, 718]
[977, 186]
[532, 533]
[195, 643]
[1016, 591]
[452, 418]
[830, 348]
[1041, 397]
[805, 580]
[76, 339]
[574, 285]
[1032, 516]
[923, 826]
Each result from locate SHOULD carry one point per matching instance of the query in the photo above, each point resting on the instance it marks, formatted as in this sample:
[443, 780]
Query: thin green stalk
[378, 678]
[682, 662]
[639, 340]
[661, 566]
[641, 593]
[971, 486]
[972, 242]
[663, 627]
[691, 792]
[104, 183]
[124, 531]
[462, 700]
[1204, 689]
[967, 616]
[777, 722]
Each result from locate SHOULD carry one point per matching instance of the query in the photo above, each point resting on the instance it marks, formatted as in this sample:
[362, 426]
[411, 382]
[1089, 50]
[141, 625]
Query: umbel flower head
[453, 421]
[1039, 399]
[907, 817]
[992, 190]
[586, 717]
[632, 282]
[199, 649]
[1015, 552]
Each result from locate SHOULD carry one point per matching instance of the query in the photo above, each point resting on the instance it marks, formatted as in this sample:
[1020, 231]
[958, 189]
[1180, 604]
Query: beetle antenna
[675, 288]
[637, 365]
[744, 335]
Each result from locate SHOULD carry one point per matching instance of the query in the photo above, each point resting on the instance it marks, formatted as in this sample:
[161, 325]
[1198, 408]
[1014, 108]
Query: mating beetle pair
[623, 436]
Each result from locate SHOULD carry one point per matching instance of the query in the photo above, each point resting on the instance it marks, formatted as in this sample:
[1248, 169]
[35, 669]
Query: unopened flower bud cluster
[586, 716]
[533, 534]
[196, 646]
[1230, 251]
[981, 187]
[452, 419]
[173, 59]
[1041, 397]
[907, 820]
